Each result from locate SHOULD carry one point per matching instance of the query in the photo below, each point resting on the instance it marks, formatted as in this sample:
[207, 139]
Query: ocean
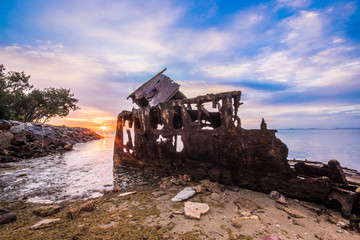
[87, 171]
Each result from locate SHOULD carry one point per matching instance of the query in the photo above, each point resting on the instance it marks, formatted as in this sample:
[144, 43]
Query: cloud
[103, 50]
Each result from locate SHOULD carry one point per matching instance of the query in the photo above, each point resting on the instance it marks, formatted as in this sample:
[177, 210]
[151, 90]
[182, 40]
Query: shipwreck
[202, 136]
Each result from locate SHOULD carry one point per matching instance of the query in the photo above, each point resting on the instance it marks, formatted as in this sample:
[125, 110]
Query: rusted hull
[172, 134]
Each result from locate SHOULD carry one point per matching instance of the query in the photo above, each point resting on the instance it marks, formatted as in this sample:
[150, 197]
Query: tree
[19, 101]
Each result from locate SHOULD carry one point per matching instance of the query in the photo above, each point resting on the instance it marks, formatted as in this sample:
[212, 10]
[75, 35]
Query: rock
[6, 216]
[5, 125]
[211, 186]
[44, 223]
[229, 188]
[68, 147]
[116, 189]
[215, 196]
[17, 129]
[170, 225]
[46, 211]
[175, 181]
[126, 194]
[199, 188]
[291, 212]
[236, 225]
[19, 139]
[243, 217]
[195, 210]
[158, 193]
[270, 238]
[295, 222]
[323, 236]
[165, 183]
[5, 139]
[185, 194]
[123, 179]
[186, 178]
[246, 204]
[86, 207]
[279, 198]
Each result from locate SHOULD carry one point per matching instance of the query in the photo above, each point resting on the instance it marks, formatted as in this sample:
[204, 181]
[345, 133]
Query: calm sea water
[88, 170]
[323, 145]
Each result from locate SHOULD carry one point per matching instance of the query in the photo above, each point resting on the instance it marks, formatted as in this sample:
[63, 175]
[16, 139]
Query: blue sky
[297, 62]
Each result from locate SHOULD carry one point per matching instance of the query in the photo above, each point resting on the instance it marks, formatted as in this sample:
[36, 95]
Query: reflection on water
[81, 173]
[323, 145]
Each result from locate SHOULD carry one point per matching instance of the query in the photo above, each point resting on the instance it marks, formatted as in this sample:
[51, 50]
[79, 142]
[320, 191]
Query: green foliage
[19, 101]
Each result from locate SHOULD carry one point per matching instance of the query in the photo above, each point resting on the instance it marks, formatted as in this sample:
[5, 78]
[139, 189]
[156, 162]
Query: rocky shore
[27, 140]
[155, 210]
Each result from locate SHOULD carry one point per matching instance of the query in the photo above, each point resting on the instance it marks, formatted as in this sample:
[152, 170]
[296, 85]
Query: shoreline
[149, 213]
[19, 141]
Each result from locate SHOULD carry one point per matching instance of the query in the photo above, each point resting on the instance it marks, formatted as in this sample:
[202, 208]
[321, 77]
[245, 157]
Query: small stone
[7, 217]
[123, 179]
[236, 225]
[44, 223]
[278, 197]
[170, 225]
[178, 213]
[270, 238]
[245, 217]
[165, 183]
[291, 212]
[46, 211]
[86, 207]
[199, 188]
[195, 210]
[230, 188]
[126, 194]
[296, 222]
[158, 193]
[215, 196]
[185, 194]
[211, 186]
[323, 236]
[186, 177]
[175, 181]
[117, 189]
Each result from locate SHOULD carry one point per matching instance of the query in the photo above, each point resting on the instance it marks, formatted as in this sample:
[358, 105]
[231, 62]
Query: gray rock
[185, 194]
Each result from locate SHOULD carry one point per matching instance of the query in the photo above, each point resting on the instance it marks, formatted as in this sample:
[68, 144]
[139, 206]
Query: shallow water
[81, 173]
[88, 170]
[323, 145]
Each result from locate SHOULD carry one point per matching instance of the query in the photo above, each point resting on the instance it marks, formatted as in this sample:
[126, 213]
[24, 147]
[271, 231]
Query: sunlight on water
[81, 173]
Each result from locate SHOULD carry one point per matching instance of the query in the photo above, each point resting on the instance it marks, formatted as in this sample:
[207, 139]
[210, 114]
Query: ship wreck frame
[172, 134]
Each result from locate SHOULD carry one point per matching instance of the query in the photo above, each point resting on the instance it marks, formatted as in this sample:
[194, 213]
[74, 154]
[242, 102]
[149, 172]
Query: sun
[103, 128]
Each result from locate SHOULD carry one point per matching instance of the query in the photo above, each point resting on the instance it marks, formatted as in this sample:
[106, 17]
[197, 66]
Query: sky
[297, 62]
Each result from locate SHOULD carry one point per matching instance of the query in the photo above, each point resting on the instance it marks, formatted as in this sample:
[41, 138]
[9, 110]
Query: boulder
[5, 139]
[19, 139]
[185, 194]
[195, 210]
[5, 125]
